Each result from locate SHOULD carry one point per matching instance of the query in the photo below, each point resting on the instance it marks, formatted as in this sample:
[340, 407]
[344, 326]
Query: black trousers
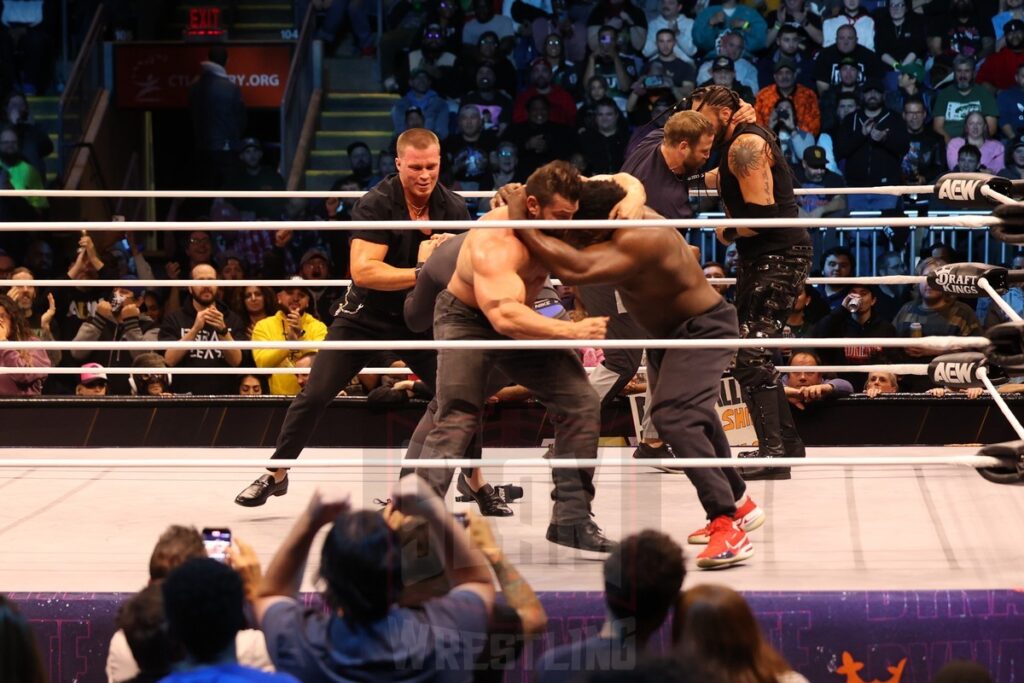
[683, 406]
[619, 365]
[332, 370]
[556, 379]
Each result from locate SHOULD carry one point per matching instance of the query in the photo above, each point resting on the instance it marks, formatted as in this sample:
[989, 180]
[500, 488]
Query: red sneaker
[728, 545]
[748, 517]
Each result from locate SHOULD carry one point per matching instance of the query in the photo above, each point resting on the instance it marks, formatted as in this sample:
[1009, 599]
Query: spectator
[813, 172]
[232, 267]
[485, 20]
[20, 660]
[804, 387]
[14, 327]
[292, 322]
[961, 32]
[1014, 161]
[976, 133]
[141, 623]
[732, 45]
[1009, 10]
[251, 174]
[176, 545]
[360, 163]
[506, 165]
[362, 570]
[653, 87]
[873, 147]
[793, 138]
[723, 73]
[540, 140]
[712, 270]
[642, 579]
[93, 382]
[315, 265]
[557, 17]
[433, 58]
[18, 174]
[1010, 104]
[254, 304]
[847, 88]
[449, 17]
[891, 298]
[968, 160]
[40, 326]
[962, 671]
[115, 320]
[203, 601]
[999, 69]
[855, 319]
[924, 161]
[731, 259]
[604, 145]
[937, 314]
[561, 105]
[27, 42]
[830, 59]
[203, 319]
[808, 309]
[682, 72]
[597, 90]
[787, 45]
[423, 97]
[850, 13]
[468, 154]
[713, 20]
[899, 38]
[151, 378]
[39, 258]
[715, 628]
[954, 103]
[881, 383]
[250, 385]
[910, 85]
[805, 101]
[218, 119]
[355, 15]
[487, 52]
[672, 18]
[799, 15]
[564, 73]
[835, 262]
[7, 265]
[618, 69]
[495, 106]
[35, 144]
[628, 20]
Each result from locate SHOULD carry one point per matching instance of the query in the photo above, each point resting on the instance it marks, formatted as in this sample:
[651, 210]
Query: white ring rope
[974, 461]
[972, 222]
[355, 194]
[1003, 408]
[936, 342]
[896, 368]
[999, 300]
[296, 282]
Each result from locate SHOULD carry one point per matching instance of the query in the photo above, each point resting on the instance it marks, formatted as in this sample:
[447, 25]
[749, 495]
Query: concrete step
[43, 106]
[359, 101]
[363, 120]
[340, 139]
[322, 180]
[352, 74]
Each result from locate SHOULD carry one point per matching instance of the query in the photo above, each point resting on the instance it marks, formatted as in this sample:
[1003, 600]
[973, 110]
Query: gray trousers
[683, 406]
[555, 378]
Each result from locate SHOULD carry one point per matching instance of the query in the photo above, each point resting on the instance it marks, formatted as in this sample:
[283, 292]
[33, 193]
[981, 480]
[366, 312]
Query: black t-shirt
[826, 64]
[960, 37]
[771, 239]
[386, 202]
[604, 11]
[667, 193]
[266, 179]
[494, 112]
[470, 161]
[175, 325]
[899, 42]
[678, 70]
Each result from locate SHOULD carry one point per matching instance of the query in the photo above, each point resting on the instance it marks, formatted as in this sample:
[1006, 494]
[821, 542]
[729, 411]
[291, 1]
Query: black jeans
[683, 399]
[766, 290]
[555, 378]
[619, 365]
[332, 370]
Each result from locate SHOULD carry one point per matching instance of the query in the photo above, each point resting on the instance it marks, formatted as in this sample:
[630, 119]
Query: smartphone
[217, 542]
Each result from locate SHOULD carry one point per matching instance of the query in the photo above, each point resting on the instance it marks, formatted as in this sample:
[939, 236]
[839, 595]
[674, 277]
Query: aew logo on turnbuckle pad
[959, 189]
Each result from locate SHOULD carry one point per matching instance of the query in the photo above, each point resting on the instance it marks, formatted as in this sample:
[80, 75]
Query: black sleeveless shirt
[769, 240]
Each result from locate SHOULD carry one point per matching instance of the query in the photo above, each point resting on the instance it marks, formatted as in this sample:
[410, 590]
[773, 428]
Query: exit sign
[204, 22]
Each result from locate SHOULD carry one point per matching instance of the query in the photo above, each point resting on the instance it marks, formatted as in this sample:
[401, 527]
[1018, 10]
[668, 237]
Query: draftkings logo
[852, 668]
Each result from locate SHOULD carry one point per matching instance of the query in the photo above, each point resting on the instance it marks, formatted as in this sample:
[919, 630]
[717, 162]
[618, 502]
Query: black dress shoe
[487, 499]
[256, 493]
[644, 451]
[763, 473]
[582, 535]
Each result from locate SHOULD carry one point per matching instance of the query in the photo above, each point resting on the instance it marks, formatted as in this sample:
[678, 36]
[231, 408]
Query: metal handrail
[304, 77]
[74, 98]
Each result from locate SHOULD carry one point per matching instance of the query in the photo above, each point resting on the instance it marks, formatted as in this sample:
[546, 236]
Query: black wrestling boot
[767, 420]
[487, 499]
[585, 535]
[257, 493]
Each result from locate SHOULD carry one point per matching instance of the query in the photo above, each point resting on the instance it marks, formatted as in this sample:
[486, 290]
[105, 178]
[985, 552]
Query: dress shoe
[763, 473]
[256, 493]
[584, 535]
[487, 499]
[645, 451]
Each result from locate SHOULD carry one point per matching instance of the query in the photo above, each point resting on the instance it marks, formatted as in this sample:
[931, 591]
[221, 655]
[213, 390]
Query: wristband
[746, 25]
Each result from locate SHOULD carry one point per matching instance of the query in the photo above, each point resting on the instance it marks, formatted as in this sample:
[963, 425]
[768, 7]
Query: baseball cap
[815, 157]
[1013, 25]
[420, 70]
[138, 290]
[722, 64]
[915, 69]
[873, 84]
[296, 282]
[414, 110]
[785, 63]
[312, 253]
[93, 373]
[1018, 141]
[250, 142]
[849, 61]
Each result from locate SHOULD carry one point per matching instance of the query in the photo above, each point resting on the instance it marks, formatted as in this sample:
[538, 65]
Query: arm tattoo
[747, 157]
